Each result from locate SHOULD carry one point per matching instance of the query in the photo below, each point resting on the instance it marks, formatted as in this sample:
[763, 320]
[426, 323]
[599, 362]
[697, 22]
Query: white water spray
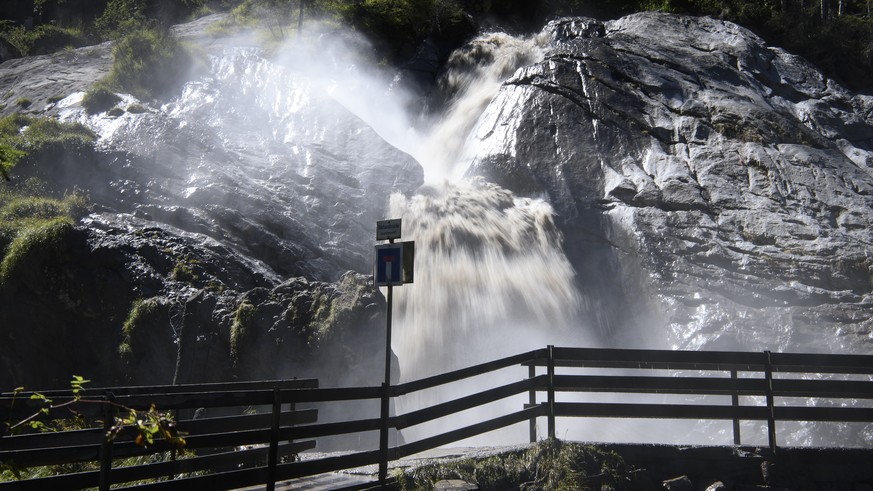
[492, 279]
[474, 76]
[489, 266]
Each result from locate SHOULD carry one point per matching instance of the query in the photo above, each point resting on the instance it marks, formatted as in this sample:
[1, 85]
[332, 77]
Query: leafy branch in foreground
[150, 426]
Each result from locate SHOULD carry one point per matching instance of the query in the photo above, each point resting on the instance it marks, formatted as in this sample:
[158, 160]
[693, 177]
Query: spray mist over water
[489, 265]
[491, 276]
[474, 75]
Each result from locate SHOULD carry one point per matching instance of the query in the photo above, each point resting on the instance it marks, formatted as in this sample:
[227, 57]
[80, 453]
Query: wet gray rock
[713, 191]
[46, 79]
[237, 190]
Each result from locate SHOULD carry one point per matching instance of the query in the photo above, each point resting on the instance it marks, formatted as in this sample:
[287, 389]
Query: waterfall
[489, 264]
[474, 75]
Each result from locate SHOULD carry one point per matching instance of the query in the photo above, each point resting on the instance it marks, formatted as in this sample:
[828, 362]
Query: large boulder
[714, 192]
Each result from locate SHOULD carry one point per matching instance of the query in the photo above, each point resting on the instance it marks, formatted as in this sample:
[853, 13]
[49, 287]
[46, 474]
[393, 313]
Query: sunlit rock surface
[252, 186]
[714, 192]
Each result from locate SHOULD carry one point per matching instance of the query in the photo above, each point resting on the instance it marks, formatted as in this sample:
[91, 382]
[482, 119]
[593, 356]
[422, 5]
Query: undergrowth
[149, 62]
[547, 465]
[32, 221]
[133, 332]
[22, 136]
[43, 39]
[241, 329]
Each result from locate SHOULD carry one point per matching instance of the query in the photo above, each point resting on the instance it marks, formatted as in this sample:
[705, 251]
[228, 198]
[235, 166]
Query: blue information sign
[389, 265]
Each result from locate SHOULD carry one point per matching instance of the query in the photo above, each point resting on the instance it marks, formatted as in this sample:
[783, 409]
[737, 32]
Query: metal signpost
[393, 267]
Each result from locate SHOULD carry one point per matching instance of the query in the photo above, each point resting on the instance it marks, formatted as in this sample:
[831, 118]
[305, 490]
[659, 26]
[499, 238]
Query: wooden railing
[771, 386]
[238, 428]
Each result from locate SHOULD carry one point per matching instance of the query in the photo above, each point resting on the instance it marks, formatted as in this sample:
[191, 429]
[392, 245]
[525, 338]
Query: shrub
[120, 18]
[22, 211]
[99, 99]
[132, 333]
[23, 103]
[549, 464]
[22, 135]
[148, 63]
[32, 246]
[240, 329]
[43, 39]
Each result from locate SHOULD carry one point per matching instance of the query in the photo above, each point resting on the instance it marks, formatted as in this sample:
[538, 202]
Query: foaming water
[489, 265]
[474, 76]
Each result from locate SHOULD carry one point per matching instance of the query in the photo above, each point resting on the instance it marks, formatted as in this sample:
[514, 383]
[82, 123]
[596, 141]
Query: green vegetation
[133, 333]
[31, 222]
[121, 17]
[99, 99]
[149, 426]
[32, 245]
[27, 218]
[43, 39]
[22, 136]
[148, 62]
[399, 26]
[241, 328]
[547, 465]
[183, 271]
[836, 36]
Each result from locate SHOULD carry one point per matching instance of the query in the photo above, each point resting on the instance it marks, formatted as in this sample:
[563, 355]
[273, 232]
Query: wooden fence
[773, 387]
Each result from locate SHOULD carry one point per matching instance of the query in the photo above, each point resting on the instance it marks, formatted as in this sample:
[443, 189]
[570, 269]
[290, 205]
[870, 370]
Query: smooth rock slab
[454, 485]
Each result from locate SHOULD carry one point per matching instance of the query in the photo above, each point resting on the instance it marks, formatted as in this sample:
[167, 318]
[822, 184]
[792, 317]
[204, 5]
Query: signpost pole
[388, 328]
[386, 398]
[394, 266]
[383, 434]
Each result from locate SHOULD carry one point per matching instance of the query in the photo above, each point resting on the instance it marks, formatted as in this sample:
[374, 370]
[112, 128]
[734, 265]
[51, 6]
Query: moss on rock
[132, 331]
[546, 465]
[32, 248]
[99, 99]
[243, 318]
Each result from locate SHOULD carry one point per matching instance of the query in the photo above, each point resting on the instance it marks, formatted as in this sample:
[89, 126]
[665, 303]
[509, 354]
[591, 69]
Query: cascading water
[262, 156]
[487, 262]
[491, 276]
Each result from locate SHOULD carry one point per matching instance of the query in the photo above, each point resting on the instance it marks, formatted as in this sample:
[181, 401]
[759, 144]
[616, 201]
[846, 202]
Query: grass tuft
[240, 329]
[547, 465]
[99, 99]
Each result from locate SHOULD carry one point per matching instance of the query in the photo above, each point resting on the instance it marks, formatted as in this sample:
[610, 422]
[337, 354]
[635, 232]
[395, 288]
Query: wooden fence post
[551, 372]
[383, 437]
[106, 446]
[272, 456]
[735, 401]
[771, 416]
[532, 401]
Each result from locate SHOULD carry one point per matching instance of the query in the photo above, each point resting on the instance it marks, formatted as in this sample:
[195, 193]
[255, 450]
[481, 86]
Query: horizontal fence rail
[236, 449]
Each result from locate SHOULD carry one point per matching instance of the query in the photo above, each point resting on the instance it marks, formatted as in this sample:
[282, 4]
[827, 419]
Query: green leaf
[36, 396]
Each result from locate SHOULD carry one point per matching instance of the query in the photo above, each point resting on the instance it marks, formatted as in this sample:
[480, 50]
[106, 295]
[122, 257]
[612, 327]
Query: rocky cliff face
[714, 192]
[226, 223]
